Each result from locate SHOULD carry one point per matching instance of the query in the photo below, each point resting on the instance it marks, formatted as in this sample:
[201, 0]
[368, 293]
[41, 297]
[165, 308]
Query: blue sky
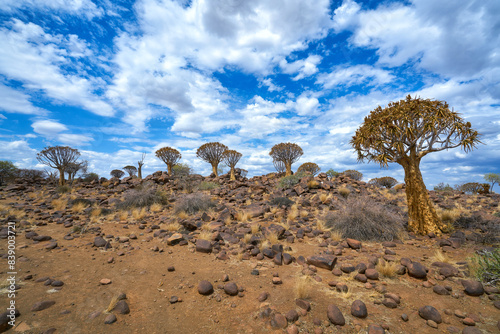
[118, 78]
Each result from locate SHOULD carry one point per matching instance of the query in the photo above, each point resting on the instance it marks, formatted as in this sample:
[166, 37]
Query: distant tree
[74, 167]
[279, 166]
[7, 170]
[443, 187]
[384, 182]
[170, 156]
[118, 173]
[353, 174]
[89, 177]
[131, 170]
[213, 153]
[288, 153]
[58, 157]
[140, 163]
[231, 158]
[332, 174]
[492, 178]
[30, 174]
[404, 132]
[309, 167]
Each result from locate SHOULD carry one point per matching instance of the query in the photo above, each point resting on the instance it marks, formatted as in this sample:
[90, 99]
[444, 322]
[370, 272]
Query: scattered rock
[203, 246]
[110, 318]
[358, 309]
[303, 304]
[121, 307]
[430, 313]
[231, 289]
[322, 261]
[473, 288]
[417, 270]
[205, 288]
[335, 315]
[440, 290]
[105, 281]
[40, 306]
[375, 329]
[99, 242]
[263, 297]
[353, 243]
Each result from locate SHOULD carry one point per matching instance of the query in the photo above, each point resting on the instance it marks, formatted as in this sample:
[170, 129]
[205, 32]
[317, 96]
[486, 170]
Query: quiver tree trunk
[422, 217]
[232, 177]
[214, 169]
[288, 167]
[61, 176]
[169, 169]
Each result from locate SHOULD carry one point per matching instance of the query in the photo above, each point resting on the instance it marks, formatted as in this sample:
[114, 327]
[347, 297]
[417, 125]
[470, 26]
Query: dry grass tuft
[182, 215]
[96, 212]
[139, 213]
[303, 287]
[321, 225]
[173, 227]
[156, 207]
[205, 235]
[439, 256]
[449, 216]
[273, 209]
[386, 268]
[242, 216]
[344, 192]
[60, 204]
[272, 238]
[122, 215]
[313, 184]
[325, 198]
[255, 228]
[247, 237]
[79, 207]
[293, 213]
[304, 213]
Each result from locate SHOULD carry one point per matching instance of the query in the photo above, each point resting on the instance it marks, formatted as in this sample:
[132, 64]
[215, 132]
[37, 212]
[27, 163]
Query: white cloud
[16, 150]
[14, 101]
[271, 86]
[345, 16]
[36, 58]
[307, 106]
[354, 75]
[84, 8]
[304, 67]
[74, 139]
[48, 128]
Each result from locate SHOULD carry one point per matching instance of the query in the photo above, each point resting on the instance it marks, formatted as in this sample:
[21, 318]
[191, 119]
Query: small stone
[225, 278]
[171, 269]
[292, 316]
[322, 261]
[347, 268]
[110, 318]
[430, 313]
[375, 329]
[173, 299]
[205, 288]
[440, 290]
[432, 324]
[371, 274]
[121, 307]
[335, 315]
[263, 297]
[231, 289]
[277, 280]
[353, 243]
[57, 283]
[394, 297]
[471, 330]
[105, 281]
[99, 242]
[303, 304]
[469, 321]
[496, 303]
[279, 321]
[472, 288]
[203, 246]
[358, 309]
[361, 278]
[404, 317]
[417, 270]
[40, 306]
[292, 329]
[389, 302]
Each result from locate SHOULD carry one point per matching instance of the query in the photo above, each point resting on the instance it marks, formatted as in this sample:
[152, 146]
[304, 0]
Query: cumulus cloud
[84, 8]
[15, 101]
[304, 67]
[354, 75]
[48, 128]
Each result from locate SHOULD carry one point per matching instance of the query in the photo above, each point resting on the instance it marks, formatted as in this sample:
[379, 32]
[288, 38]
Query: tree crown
[286, 152]
[212, 153]
[58, 156]
[168, 155]
[231, 157]
[117, 173]
[309, 167]
[412, 127]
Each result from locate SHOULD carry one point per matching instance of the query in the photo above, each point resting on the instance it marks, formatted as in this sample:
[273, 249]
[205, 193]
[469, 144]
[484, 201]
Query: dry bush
[293, 213]
[449, 216]
[321, 225]
[325, 198]
[143, 196]
[439, 256]
[182, 215]
[205, 235]
[313, 184]
[193, 203]
[386, 268]
[255, 228]
[157, 207]
[122, 215]
[60, 204]
[173, 227]
[139, 214]
[280, 201]
[303, 287]
[344, 192]
[362, 218]
[242, 216]
[304, 213]
[247, 237]
[272, 238]
[79, 207]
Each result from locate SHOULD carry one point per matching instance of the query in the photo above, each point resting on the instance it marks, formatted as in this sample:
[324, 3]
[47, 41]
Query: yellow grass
[272, 238]
[79, 207]
[336, 235]
[173, 227]
[182, 215]
[96, 212]
[293, 213]
[324, 197]
[156, 207]
[122, 215]
[303, 287]
[248, 202]
[285, 225]
[228, 220]
[247, 237]
[386, 268]
[273, 209]
[439, 256]
[59, 204]
[139, 213]
[205, 235]
[242, 216]
[313, 184]
[304, 213]
[255, 228]
[320, 225]
[344, 192]
[450, 215]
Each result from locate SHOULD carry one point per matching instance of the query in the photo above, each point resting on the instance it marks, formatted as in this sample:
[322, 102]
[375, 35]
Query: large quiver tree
[406, 131]
[288, 153]
[213, 153]
[170, 156]
[58, 157]
[231, 158]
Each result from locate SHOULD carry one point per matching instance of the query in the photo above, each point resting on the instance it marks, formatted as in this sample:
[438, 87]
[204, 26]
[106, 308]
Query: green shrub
[353, 174]
[362, 218]
[280, 201]
[469, 187]
[204, 185]
[89, 177]
[485, 266]
[288, 182]
[63, 189]
[144, 195]
[193, 203]
[332, 174]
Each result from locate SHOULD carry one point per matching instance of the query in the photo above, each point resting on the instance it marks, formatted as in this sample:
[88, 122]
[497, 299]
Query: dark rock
[110, 318]
[371, 274]
[440, 290]
[279, 321]
[375, 329]
[42, 238]
[335, 316]
[263, 297]
[303, 304]
[417, 270]
[278, 259]
[353, 243]
[322, 261]
[287, 258]
[121, 307]
[358, 309]
[389, 302]
[471, 330]
[57, 283]
[205, 288]
[472, 288]
[231, 289]
[347, 268]
[99, 242]
[292, 316]
[430, 313]
[361, 278]
[42, 305]
[203, 246]
[4, 319]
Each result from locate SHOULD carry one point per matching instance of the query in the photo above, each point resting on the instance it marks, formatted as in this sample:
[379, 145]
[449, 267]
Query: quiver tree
[74, 167]
[231, 158]
[213, 153]
[492, 178]
[406, 131]
[384, 182]
[170, 156]
[288, 153]
[118, 173]
[140, 163]
[131, 170]
[309, 167]
[58, 157]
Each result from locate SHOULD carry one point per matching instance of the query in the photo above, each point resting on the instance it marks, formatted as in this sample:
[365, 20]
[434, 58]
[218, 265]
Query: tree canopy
[309, 167]
[231, 158]
[288, 153]
[58, 157]
[170, 156]
[213, 153]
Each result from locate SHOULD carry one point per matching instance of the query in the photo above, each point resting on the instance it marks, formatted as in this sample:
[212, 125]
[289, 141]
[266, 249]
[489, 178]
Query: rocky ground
[246, 265]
